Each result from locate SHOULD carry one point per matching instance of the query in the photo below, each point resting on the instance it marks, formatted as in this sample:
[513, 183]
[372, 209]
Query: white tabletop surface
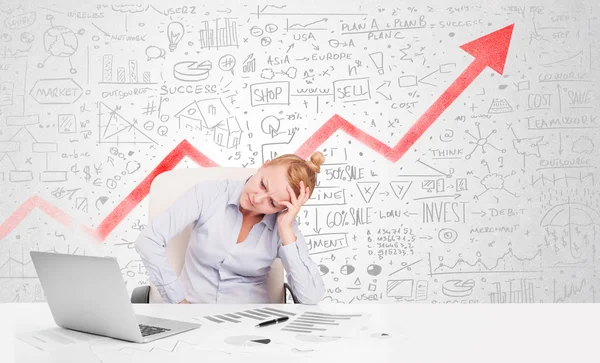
[393, 333]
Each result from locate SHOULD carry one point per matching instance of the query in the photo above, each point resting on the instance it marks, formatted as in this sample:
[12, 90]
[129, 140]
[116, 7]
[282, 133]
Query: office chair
[165, 189]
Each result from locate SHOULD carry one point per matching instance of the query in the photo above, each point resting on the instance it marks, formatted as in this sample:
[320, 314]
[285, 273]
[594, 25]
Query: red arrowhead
[491, 49]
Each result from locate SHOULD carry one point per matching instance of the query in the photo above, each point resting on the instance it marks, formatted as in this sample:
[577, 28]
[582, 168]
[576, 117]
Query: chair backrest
[167, 187]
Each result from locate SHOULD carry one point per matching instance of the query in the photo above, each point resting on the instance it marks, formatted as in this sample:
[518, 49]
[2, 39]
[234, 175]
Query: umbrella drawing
[569, 214]
[566, 214]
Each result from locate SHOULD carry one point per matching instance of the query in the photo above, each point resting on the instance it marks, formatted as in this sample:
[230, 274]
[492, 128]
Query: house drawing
[228, 133]
[203, 114]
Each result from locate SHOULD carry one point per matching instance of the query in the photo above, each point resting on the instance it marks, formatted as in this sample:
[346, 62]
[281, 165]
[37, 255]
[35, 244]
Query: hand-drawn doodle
[114, 128]
[583, 145]
[519, 291]
[374, 270]
[93, 107]
[224, 35]
[481, 141]
[447, 235]
[131, 76]
[570, 217]
[500, 106]
[56, 91]
[129, 8]
[154, 52]
[527, 146]
[458, 288]
[574, 292]
[367, 190]
[192, 71]
[175, 32]
[270, 125]
[507, 262]
[249, 64]
[494, 181]
[60, 41]
[400, 288]
[227, 63]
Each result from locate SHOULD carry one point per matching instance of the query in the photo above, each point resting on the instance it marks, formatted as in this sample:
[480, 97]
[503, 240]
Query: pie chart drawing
[458, 288]
[248, 340]
[270, 125]
[346, 269]
[324, 270]
[192, 71]
[374, 270]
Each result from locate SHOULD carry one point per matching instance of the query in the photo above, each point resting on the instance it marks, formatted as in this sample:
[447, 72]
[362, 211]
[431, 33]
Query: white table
[416, 333]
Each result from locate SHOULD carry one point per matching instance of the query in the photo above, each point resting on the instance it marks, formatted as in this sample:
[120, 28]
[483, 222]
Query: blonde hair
[299, 169]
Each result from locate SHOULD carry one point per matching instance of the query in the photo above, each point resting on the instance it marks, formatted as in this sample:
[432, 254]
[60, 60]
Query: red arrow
[489, 51]
[141, 191]
[121, 211]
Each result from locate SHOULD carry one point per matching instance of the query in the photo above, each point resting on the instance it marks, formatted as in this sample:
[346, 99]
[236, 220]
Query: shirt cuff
[290, 255]
[171, 293]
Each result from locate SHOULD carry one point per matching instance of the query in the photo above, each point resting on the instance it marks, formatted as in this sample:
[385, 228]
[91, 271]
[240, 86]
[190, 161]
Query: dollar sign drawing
[86, 170]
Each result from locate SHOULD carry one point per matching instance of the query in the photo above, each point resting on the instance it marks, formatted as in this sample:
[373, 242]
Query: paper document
[56, 338]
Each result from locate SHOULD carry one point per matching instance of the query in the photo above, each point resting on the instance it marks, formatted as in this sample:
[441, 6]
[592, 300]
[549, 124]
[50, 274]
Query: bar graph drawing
[124, 75]
[249, 64]
[224, 35]
[322, 324]
[520, 291]
[253, 316]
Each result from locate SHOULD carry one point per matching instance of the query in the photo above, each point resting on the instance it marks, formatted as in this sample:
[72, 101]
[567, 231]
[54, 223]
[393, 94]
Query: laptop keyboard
[151, 330]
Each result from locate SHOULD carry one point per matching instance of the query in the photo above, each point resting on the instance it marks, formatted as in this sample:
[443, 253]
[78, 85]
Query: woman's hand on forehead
[286, 217]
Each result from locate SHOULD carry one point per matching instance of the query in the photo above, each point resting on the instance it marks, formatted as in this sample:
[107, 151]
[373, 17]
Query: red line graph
[488, 51]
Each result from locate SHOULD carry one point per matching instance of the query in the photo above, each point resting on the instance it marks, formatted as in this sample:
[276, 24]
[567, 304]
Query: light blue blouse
[216, 268]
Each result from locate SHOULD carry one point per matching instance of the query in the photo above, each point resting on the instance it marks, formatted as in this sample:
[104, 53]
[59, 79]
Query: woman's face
[264, 192]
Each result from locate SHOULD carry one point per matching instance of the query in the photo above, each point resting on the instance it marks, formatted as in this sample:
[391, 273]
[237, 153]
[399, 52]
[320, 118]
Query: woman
[239, 228]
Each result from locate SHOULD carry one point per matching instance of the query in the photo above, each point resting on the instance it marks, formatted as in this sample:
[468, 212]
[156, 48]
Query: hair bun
[314, 162]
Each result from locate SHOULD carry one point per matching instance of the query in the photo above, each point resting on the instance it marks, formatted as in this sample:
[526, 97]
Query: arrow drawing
[489, 51]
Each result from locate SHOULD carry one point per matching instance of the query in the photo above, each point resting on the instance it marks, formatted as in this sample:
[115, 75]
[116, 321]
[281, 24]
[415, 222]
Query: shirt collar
[234, 199]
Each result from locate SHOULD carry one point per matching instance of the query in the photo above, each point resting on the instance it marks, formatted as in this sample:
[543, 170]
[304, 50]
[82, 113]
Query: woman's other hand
[184, 301]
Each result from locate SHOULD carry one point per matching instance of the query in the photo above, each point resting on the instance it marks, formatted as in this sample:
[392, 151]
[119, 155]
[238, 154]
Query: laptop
[88, 294]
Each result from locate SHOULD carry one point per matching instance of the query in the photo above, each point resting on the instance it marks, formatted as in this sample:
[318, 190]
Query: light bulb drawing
[174, 33]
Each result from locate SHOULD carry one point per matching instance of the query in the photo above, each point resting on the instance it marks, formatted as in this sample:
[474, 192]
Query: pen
[271, 322]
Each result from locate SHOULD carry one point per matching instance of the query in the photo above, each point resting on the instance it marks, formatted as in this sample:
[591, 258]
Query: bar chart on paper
[245, 317]
[324, 324]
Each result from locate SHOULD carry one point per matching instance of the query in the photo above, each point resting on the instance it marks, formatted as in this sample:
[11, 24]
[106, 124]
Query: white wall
[496, 201]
